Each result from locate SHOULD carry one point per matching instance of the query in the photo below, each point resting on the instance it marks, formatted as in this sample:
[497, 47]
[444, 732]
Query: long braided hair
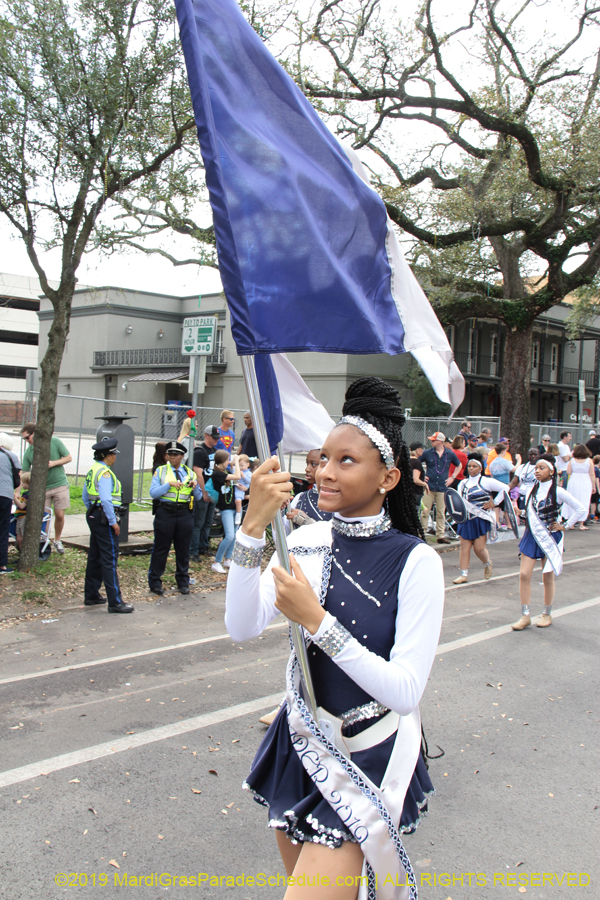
[376, 402]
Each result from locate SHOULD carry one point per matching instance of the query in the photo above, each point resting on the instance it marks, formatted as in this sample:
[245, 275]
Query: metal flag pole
[262, 443]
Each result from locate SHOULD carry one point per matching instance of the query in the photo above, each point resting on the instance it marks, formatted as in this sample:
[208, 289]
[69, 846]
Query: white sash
[552, 551]
[480, 513]
[372, 814]
[369, 812]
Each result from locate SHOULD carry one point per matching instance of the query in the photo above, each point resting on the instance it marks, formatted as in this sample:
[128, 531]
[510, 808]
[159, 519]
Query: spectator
[160, 456]
[247, 440]
[223, 484]
[553, 449]
[438, 460]
[482, 446]
[57, 485]
[227, 435]
[204, 509]
[242, 486]
[9, 465]
[593, 444]
[544, 447]
[420, 486]
[488, 435]
[595, 498]
[472, 441]
[465, 429]
[492, 454]
[581, 483]
[502, 467]
[21, 501]
[564, 455]
[524, 477]
[458, 445]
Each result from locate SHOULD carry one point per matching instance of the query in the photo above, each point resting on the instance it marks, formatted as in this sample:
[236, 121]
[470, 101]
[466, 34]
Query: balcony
[570, 377]
[153, 358]
[480, 365]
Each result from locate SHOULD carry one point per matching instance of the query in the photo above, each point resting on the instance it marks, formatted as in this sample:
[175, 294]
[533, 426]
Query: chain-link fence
[77, 420]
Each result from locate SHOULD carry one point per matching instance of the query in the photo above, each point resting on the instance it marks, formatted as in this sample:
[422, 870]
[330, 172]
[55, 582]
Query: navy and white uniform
[478, 490]
[548, 513]
[101, 493]
[387, 589]
[307, 502]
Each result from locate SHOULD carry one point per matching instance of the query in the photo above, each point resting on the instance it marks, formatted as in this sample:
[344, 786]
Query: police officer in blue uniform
[175, 488]
[102, 499]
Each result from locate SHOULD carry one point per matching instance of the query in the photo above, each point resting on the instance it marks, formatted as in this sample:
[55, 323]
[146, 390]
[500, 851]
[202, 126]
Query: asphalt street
[124, 742]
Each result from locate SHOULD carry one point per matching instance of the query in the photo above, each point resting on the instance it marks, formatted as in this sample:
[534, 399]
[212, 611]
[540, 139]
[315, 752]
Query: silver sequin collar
[362, 529]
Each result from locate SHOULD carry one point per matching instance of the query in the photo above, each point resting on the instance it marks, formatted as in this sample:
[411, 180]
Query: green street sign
[198, 337]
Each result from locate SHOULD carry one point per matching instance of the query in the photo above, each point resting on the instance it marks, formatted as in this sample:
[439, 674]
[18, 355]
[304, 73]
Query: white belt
[382, 729]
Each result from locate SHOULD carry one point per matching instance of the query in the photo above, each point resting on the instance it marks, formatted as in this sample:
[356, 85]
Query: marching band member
[476, 491]
[543, 538]
[304, 508]
[369, 593]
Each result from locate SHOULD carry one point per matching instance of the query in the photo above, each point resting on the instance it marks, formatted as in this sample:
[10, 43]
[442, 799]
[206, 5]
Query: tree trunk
[50, 367]
[515, 388]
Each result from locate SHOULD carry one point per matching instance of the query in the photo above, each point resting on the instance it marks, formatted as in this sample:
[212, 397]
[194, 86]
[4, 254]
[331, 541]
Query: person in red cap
[438, 460]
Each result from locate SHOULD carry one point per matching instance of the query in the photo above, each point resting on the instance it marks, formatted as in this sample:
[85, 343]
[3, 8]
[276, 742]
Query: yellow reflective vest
[93, 476]
[183, 492]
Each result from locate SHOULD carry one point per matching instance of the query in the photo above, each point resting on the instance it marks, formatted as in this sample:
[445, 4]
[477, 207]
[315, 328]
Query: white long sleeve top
[397, 683]
[562, 496]
[488, 484]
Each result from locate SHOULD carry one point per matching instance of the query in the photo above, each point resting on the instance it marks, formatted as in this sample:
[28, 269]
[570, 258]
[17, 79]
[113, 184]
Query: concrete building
[126, 345]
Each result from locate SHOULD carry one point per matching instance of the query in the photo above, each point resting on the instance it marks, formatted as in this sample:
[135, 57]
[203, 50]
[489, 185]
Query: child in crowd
[254, 464]
[242, 486]
[21, 499]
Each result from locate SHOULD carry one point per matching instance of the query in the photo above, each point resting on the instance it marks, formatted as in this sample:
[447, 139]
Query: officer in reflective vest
[101, 494]
[175, 488]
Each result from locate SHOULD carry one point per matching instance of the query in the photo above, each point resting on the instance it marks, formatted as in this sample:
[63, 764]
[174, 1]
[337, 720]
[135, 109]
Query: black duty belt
[173, 503]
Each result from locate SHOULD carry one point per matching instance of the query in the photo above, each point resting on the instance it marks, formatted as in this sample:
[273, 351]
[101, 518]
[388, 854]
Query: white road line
[221, 637]
[459, 587]
[111, 659]
[506, 629]
[87, 754]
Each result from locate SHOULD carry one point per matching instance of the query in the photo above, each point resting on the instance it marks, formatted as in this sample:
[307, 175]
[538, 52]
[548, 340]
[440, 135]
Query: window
[535, 361]
[472, 357]
[494, 349]
[554, 364]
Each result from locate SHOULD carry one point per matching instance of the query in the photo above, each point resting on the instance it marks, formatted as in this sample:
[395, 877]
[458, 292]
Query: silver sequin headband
[374, 435]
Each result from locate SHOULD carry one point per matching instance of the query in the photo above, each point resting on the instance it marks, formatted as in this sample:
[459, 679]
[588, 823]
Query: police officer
[175, 488]
[101, 494]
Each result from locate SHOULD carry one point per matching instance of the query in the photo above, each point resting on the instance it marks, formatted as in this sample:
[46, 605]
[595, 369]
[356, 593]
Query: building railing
[547, 374]
[153, 357]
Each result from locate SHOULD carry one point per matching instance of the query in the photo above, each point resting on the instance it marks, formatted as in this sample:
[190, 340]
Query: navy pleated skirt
[473, 528]
[279, 781]
[528, 546]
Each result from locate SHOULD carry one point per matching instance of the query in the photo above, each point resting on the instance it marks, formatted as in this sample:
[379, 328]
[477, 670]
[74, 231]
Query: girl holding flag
[543, 538]
[476, 490]
[369, 593]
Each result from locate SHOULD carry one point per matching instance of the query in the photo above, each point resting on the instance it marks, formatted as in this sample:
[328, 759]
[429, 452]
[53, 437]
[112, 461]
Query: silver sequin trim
[361, 713]
[361, 529]
[247, 557]
[374, 435]
[335, 638]
[356, 584]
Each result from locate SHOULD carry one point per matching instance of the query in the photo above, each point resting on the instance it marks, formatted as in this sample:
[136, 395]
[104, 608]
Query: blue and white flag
[307, 254]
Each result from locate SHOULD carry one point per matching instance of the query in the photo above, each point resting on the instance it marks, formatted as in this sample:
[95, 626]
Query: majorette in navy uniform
[382, 591]
[476, 491]
[543, 538]
[307, 503]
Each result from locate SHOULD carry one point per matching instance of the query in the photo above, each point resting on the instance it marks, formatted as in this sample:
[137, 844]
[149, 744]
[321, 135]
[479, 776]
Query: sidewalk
[76, 526]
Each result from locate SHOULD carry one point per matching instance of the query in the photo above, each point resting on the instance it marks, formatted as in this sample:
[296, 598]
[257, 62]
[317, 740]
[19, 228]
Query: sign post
[197, 342]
